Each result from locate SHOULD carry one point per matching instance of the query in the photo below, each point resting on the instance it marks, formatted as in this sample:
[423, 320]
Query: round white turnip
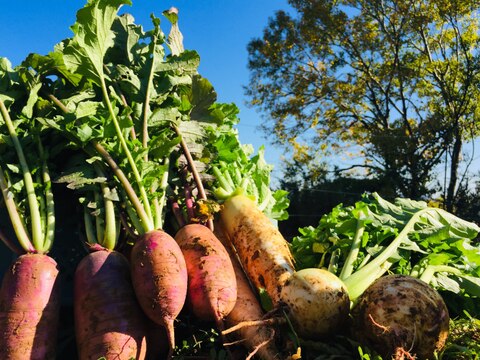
[317, 301]
[400, 315]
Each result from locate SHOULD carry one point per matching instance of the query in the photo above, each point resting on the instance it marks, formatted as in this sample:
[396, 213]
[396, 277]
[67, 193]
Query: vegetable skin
[108, 319]
[29, 308]
[257, 339]
[263, 251]
[212, 287]
[318, 302]
[159, 276]
[400, 314]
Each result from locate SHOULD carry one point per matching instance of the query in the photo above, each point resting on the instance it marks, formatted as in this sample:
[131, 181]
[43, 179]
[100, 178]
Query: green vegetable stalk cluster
[362, 242]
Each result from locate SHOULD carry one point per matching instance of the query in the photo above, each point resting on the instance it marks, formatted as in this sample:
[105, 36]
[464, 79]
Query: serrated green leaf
[162, 117]
[126, 39]
[93, 36]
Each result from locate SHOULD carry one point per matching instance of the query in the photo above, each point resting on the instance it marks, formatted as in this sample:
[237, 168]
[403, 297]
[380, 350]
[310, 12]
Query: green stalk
[37, 178]
[365, 260]
[49, 202]
[109, 239]
[238, 174]
[18, 226]
[229, 179]
[430, 270]
[159, 204]
[131, 161]
[263, 205]
[89, 228]
[37, 233]
[146, 104]
[133, 216]
[352, 256]
[358, 282]
[157, 211]
[146, 220]
[99, 223]
[333, 263]
[122, 98]
[224, 184]
[196, 176]
[321, 263]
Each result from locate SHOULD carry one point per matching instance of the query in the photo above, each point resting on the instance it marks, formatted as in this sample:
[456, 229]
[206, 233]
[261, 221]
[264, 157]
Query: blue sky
[218, 30]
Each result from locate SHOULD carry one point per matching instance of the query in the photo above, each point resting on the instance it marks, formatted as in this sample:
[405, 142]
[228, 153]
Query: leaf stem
[143, 194]
[124, 100]
[146, 104]
[430, 270]
[359, 281]
[193, 168]
[225, 187]
[347, 268]
[89, 231]
[37, 233]
[146, 220]
[196, 176]
[49, 201]
[159, 204]
[99, 222]
[17, 223]
[110, 237]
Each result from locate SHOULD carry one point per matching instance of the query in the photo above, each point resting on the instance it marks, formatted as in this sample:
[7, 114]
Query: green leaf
[93, 36]
[175, 38]
[470, 284]
[87, 108]
[160, 116]
[126, 42]
[78, 180]
[202, 97]
[51, 64]
[14, 168]
[84, 133]
[186, 62]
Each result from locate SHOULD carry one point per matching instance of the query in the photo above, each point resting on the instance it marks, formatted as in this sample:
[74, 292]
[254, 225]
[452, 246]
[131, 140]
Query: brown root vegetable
[262, 249]
[159, 276]
[212, 288]
[257, 339]
[318, 302]
[29, 308]
[108, 319]
[400, 314]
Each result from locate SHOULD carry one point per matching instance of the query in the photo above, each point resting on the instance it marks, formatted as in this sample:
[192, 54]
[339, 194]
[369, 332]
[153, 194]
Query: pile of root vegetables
[177, 221]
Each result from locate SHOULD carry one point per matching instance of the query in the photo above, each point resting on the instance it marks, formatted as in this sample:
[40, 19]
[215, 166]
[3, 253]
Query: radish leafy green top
[128, 98]
[24, 175]
[359, 243]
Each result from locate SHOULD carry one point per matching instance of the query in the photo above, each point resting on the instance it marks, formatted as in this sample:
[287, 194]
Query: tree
[396, 83]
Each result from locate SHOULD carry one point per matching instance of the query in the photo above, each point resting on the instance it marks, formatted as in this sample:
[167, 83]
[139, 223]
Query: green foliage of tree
[394, 84]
